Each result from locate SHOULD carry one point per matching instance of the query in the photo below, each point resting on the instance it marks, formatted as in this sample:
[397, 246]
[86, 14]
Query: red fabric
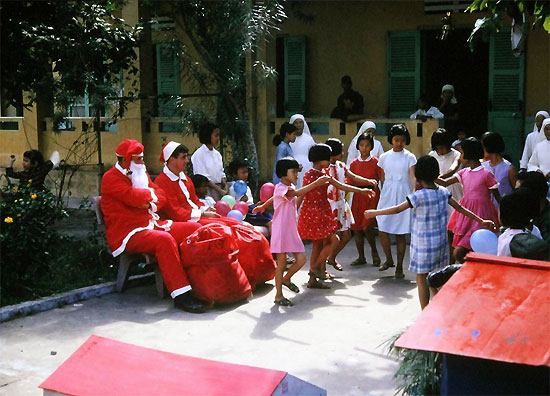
[370, 170]
[106, 367]
[254, 254]
[164, 246]
[316, 220]
[122, 206]
[122, 147]
[493, 308]
[177, 207]
[210, 258]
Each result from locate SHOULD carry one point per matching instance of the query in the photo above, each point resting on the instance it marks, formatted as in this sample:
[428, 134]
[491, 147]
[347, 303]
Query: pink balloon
[241, 207]
[266, 191]
[222, 208]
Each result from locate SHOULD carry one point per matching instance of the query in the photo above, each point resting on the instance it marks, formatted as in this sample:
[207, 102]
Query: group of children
[452, 192]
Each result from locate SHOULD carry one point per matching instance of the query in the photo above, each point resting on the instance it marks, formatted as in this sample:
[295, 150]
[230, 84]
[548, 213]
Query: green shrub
[37, 261]
[419, 372]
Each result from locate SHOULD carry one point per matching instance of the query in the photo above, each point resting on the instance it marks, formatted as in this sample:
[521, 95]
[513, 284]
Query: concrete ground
[332, 338]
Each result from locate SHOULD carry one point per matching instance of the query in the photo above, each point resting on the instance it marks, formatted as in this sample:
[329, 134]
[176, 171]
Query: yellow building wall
[349, 37]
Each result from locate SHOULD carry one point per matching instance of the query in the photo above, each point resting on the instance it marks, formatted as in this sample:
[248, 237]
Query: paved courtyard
[330, 338]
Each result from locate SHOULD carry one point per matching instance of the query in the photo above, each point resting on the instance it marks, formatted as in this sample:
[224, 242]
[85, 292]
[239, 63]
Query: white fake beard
[139, 175]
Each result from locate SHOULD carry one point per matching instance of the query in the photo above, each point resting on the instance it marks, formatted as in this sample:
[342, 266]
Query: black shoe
[440, 277]
[187, 302]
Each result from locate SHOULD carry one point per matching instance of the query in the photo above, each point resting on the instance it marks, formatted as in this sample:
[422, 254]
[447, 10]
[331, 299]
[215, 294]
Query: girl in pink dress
[478, 184]
[284, 228]
[317, 221]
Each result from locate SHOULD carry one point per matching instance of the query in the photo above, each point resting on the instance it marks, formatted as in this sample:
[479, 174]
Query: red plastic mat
[106, 367]
[493, 308]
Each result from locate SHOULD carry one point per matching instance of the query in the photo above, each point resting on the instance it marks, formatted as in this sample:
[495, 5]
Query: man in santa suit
[130, 202]
[182, 203]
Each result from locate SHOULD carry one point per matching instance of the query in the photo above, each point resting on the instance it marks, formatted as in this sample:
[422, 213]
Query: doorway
[451, 62]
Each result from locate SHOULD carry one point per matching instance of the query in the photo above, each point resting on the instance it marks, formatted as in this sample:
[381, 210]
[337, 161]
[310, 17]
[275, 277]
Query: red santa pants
[164, 245]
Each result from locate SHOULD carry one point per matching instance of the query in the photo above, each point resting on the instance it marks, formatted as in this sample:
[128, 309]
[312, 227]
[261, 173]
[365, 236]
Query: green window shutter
[506, 74]
[403, 65]
[167, 79]
[295, 75]
[506, 93]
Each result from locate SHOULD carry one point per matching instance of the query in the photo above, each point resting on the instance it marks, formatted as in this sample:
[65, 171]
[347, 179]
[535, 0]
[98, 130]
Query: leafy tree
[222, 35]
[536, 13]
[61, 50]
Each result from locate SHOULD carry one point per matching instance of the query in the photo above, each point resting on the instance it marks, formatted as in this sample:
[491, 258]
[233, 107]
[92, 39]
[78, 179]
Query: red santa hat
[128, 148]
[167, 150]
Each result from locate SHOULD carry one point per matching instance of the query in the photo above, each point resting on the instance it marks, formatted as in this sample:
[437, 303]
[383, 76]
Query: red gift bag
[254, 254]
[210, 259]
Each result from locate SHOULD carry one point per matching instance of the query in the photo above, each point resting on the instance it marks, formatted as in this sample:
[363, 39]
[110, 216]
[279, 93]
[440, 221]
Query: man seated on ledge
[182, 204]
[129, 202]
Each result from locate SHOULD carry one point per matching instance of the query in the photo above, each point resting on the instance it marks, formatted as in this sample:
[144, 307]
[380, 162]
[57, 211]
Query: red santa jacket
[182, 203]
[123, 208]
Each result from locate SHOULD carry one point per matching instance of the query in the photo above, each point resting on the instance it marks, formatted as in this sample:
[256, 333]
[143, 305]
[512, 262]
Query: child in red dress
[366, 166]
[316, 221]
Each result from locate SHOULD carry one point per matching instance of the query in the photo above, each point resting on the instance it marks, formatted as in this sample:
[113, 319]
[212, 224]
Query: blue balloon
[240, 187]
[484, 241]
[235, 214]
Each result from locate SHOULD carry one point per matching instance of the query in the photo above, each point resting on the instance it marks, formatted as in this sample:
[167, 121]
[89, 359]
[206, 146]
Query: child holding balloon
[429, 246]
[284, 230]
[239, 189]
[478, 185]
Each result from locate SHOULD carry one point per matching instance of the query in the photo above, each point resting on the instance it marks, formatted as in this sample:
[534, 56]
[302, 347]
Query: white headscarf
[300, 147]
[449, 87]
[543, 113]
[352, 150]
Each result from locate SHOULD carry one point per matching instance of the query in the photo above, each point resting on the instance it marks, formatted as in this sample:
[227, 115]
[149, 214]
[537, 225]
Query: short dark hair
[181, 149]
[426, 169]
[319, 152]
[198, 180]
[493, 143]
[284, 164]
[346, 79]
[472, 149]
[235, 165]
[513, 213]
[534, 182]
[35, 157]
[367, 137]
[335, 145]
[441, 138]
[205, 132]
[399, 130]
[285, 129]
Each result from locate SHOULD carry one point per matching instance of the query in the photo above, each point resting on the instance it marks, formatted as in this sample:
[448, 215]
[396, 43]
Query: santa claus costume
[182, 202]
[130, 202]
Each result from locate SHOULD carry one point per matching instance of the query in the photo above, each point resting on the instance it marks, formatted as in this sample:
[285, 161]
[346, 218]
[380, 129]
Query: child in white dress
[398, 182]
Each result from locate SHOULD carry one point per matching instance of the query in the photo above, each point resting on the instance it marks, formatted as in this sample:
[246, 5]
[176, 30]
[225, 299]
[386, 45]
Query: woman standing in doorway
[449, 107]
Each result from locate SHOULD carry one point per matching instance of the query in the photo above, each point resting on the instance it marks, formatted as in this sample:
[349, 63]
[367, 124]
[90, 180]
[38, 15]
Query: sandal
[317, 285]
[284, 302]
[376, 261]
[358, 261]
[292, 287]
[399, 275]
[336, 265]
[313, 274]
[386, 266]
[290, 260]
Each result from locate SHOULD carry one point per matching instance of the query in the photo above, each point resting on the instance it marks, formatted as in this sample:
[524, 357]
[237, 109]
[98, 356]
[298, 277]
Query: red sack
[210, 259]
[254, 254]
